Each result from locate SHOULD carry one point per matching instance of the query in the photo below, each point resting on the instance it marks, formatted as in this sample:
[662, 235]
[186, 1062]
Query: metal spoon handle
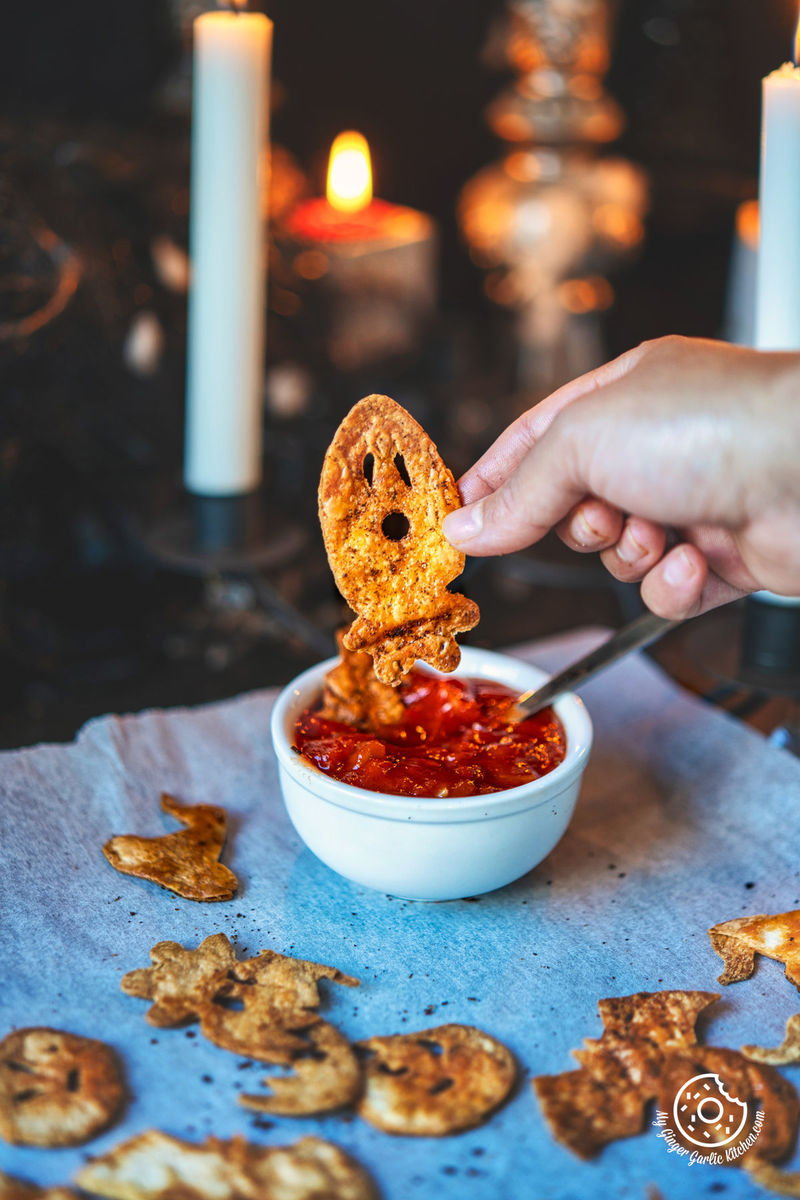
[641, 632]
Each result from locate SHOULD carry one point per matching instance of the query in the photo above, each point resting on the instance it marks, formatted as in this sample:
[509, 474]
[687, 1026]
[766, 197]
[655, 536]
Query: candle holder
[365, 269]
[230, 541]
[207, 534]
[745, 657]
[551, 218]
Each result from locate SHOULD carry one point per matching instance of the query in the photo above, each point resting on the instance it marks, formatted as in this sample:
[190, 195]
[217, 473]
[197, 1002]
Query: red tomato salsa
[454, 739]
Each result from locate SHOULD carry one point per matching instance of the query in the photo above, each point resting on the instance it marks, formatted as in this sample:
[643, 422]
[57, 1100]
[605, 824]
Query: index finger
[505, 454]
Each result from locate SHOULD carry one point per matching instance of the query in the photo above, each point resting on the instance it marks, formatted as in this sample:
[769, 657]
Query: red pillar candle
[376, 261]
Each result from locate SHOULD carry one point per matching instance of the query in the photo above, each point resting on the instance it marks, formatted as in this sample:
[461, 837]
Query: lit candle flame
[797, 44]
[349, 186]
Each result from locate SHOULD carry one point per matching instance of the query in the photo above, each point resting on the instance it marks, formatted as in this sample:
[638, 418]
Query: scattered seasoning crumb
[430, 1010]
[749, 885]
[207, 1078]
[261, 1123]
[449, 1170]
[153, 1041]
[190, 1033]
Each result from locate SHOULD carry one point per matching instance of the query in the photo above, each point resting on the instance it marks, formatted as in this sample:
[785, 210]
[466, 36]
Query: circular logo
[705, 1114]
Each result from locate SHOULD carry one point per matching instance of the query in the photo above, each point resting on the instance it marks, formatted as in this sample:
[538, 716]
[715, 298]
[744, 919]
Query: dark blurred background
[94, 161]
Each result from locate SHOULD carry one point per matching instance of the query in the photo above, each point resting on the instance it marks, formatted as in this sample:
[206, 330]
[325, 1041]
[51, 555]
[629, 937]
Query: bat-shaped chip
[383, 494]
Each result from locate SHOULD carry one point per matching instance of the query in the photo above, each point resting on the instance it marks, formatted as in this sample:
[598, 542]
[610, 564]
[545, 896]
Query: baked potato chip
[773, 1179]
[746, 1083]
[738, 941]
[261, 1008]
[434, 1082]
[181, 983]
[18, 1189]
[383, 494]
[276, 998]
[56, 1089]
[587, 1109]
[327, 1075]
[649, 1049]
[155, 1166]
[185, 862]
[352, 692]
[780, 1056]
[620, 1071]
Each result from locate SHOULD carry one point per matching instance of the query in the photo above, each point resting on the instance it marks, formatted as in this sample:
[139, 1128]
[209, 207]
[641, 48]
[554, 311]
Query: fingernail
[582, 531]
[678, 568]
[629, 550]
[464, 524]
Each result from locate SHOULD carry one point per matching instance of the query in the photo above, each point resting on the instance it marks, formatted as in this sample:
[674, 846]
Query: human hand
[681, 441]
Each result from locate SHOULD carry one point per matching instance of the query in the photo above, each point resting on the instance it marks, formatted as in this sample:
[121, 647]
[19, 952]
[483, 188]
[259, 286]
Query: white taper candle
[777, 319]
[225, 352]
[778, 290]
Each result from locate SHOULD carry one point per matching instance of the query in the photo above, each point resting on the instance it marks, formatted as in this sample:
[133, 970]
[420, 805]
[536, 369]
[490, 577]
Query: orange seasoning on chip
[383, 494]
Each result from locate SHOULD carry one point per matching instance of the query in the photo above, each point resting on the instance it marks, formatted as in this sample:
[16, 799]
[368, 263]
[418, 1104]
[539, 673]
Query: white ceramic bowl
[430, 849]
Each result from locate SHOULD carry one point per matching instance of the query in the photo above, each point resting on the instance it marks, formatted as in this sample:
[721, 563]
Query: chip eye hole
[395, 526]
[402, 469]
[368, 467]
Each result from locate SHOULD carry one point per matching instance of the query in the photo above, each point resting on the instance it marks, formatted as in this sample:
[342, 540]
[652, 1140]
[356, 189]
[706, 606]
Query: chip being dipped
[383, 494]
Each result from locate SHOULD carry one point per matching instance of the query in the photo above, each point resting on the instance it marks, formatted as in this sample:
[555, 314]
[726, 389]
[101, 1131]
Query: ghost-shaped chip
[383, 494]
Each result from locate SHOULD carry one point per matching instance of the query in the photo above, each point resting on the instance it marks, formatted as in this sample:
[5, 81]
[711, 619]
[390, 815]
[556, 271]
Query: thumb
[540, 492]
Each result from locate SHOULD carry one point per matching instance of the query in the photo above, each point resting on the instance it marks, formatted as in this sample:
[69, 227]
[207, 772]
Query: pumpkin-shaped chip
[383, 495]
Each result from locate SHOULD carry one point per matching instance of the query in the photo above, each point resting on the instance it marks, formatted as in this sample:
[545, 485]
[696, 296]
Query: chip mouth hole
[229, 1003]
[441, 1086]
[309, 1052]
[395, 526]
